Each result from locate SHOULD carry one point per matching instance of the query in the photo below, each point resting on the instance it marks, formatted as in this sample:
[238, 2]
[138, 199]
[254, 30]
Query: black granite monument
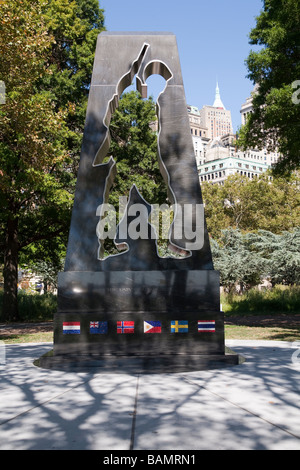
[137, 304]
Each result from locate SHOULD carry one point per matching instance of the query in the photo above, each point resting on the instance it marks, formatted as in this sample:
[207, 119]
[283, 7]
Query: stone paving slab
[254, 405]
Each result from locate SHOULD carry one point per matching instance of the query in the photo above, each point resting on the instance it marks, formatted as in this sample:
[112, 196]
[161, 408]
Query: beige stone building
[216, 118]
[221, 159]
[215, 151]
[246, 107]
[197, 129]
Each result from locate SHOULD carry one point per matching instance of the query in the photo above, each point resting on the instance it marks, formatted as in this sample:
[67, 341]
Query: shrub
[34, 307]
[278, 300]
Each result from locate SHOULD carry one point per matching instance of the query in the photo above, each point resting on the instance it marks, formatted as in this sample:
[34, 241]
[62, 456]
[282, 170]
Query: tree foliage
[237, 262]
[134, 148]
[245, 259]
[46, 50]
[74, 25]
[264, 203]
[279, 254]
[275, 69]
[254, 226]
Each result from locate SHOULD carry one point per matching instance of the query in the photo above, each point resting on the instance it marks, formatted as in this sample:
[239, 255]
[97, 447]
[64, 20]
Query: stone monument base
[139, 313]
[177, 334]
[139, 364]
[143, 320]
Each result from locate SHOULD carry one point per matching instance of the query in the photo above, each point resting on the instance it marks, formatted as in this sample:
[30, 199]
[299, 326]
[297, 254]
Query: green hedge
[279, 300]
[34, 307]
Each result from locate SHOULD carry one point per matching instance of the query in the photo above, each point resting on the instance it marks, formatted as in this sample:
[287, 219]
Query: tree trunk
[10, 272]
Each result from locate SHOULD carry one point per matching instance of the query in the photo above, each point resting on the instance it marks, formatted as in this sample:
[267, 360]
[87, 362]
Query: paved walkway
[255, 405]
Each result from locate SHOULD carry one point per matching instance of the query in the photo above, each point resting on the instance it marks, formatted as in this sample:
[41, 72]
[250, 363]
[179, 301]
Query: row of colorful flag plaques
[125, 327]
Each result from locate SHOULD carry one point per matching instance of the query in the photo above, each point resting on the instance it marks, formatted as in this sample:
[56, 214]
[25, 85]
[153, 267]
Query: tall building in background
[216, 154]
[216, 118]
[247, 107]
[197, 129]
[218, 102]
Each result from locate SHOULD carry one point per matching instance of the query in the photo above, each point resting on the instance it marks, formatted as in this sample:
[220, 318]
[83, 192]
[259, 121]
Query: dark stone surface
[139, 291]
[140, 364]
[140, 343]
[138, 285]
[118, 57]
[139, 296]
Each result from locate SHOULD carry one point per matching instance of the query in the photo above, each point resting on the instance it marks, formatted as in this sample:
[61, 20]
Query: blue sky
[212, 38]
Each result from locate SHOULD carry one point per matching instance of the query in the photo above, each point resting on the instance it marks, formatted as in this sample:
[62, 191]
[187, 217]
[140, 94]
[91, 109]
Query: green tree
[244, 259]
[279, 254]
[45, 258]
[264, 203]
[275, 69]
[239, 264]
[74, 25]
[32, 142]
[134, 148]
[46, 53]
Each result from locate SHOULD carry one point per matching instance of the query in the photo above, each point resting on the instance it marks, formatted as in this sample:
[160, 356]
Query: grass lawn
[39, 337]
[261, 333]
[27, 333]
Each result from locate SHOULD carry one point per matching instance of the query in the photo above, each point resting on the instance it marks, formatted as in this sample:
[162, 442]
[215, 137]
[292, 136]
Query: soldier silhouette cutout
[116, 63]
